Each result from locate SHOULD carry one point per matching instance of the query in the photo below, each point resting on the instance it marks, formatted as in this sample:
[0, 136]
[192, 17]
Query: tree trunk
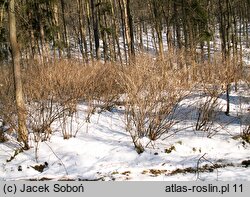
[55, 22]
[177, 26]
[65, 31]
[115, 32]
[228, 99]
[2, 14]
[95, 28]
[21, 109]
[128, 20]
[123, 27]
[158, 27]
[131, 30]
[88, 16]
[82, 29]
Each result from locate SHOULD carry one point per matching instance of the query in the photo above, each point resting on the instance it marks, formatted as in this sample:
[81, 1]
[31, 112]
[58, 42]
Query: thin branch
[58, 158]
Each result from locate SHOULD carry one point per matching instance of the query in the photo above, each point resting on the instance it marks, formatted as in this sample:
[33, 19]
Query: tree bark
[158, 27]
[123, 27]
[55, 22]
[95, 28]
[21, 109]
[65, 30]
[82, 29]
[131, 30]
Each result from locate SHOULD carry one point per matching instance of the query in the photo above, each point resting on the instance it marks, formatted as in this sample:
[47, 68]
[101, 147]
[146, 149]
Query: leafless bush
[211, 82]
[103, 88]
[2, 136]
[7, 98]
[244, 117]
[153, 92]
[53, 90]
[206, 114]
[246, 133]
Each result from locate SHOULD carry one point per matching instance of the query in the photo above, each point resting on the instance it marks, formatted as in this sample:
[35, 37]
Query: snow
[103, 150]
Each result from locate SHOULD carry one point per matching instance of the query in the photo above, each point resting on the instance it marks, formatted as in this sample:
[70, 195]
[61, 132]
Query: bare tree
[21, 109]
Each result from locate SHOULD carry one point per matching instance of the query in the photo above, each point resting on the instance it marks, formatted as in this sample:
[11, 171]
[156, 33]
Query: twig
[198, 163]
[16, 152]
[176, 131]
[58, 158]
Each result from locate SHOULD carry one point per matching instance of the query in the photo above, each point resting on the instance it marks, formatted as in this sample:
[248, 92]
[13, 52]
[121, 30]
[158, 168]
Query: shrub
[53, 90]
[206, 113]
[153, 92]
[7, 98]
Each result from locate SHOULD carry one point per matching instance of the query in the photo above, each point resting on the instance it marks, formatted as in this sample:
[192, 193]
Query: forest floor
[103, 150]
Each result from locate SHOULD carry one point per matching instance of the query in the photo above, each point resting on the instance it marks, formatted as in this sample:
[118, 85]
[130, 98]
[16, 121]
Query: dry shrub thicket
[153, 91]
[211, 79]
[51, 92]
[210, 83]
[246, 133]
[7, 99]
[152, 88]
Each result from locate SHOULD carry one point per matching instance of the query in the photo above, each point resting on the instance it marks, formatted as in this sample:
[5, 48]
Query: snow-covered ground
[103, 150]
